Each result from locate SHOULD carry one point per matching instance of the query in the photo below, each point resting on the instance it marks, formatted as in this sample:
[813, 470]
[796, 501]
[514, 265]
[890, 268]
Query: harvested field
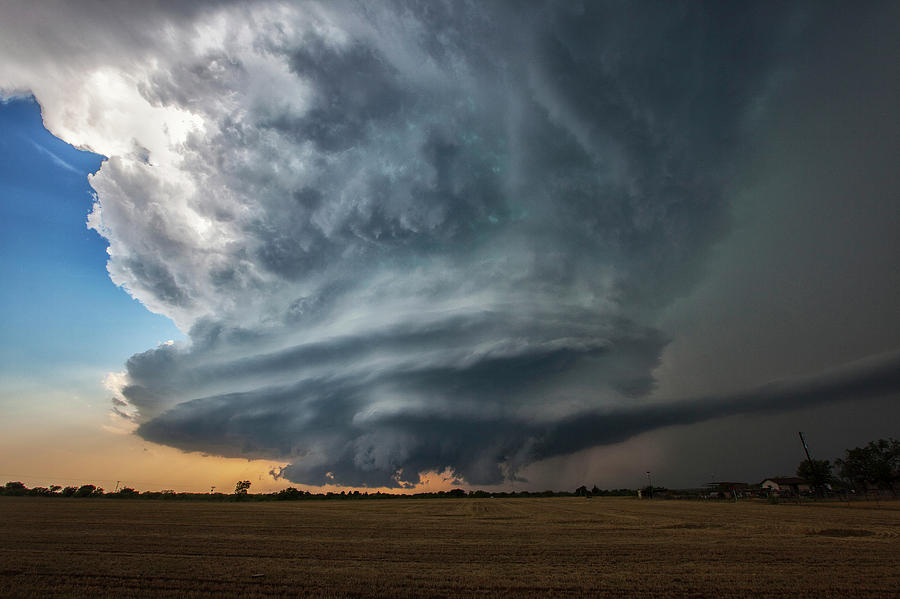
[554, 547]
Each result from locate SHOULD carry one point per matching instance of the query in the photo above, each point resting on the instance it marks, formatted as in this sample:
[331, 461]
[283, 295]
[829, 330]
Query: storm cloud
[411, 237]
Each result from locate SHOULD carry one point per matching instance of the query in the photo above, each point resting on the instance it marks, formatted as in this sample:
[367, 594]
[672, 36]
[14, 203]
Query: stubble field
[554, 547]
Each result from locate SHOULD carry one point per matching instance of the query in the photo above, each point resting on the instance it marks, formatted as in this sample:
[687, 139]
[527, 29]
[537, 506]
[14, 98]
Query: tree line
[875, 466]
[242, 488]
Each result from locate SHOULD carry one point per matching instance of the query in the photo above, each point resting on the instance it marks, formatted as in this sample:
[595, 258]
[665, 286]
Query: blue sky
[61, 317]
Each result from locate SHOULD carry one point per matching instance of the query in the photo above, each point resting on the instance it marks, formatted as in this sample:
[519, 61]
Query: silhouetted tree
[241, 488]
[875, 464]
[69, 491]
[818, 474]
[15, 488]
[289, 493]
[86, 491]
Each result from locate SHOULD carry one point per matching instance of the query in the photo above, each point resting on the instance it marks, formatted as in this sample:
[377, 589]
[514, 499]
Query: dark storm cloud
[485, 216]
[876, 376]
[355, 90]
[452, 409]
[480, 446]
[409, 237]
[453, 358]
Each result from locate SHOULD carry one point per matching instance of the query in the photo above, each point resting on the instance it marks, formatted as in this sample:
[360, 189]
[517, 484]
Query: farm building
[786, 484]
[728, 489]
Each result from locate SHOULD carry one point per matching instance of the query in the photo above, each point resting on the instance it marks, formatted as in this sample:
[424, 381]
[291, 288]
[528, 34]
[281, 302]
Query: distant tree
[15, 488]
[126, 492]
[85, 491]
[456, 493]
[69, 491]
[242, 487]
[289, 493]
[818, 474]
[876, 464]
[54, 489]
[581, 491]
[596, 490]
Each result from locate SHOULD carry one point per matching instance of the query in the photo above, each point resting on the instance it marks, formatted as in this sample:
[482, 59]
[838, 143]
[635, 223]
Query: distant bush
[289, 494]
[86, 491]
[15, 488]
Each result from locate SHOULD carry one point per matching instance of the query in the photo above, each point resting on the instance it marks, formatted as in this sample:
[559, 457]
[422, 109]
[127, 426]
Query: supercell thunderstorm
[415, 237]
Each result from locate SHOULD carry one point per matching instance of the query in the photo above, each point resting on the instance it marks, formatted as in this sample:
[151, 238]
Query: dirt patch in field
[691, 526]
[844, 532]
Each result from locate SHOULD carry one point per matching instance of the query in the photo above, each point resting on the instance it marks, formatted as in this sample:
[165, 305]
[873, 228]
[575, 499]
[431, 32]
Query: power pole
[812, 467]
[650, 481]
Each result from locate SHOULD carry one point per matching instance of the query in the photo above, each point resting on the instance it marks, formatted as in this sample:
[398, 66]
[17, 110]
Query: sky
[405, 246]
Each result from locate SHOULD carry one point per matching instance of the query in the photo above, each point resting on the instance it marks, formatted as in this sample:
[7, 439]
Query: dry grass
[559, 547]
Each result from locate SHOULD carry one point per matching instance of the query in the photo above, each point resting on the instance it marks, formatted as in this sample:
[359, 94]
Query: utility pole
[117, 486]
[812, 467]
[650, 481]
